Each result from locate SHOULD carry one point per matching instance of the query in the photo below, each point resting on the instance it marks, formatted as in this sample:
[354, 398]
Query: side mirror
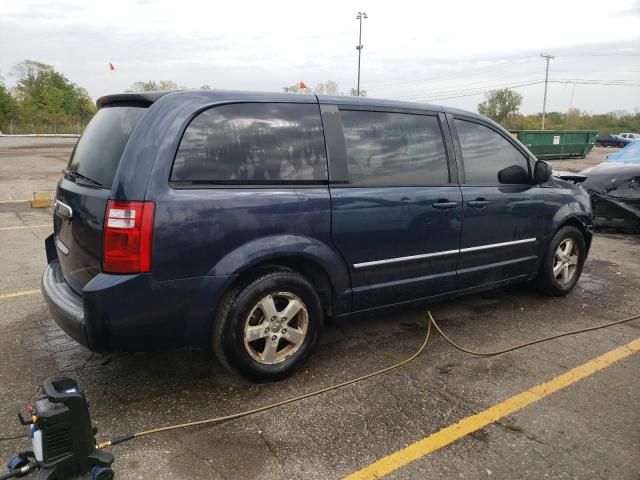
[542, 171]
[513, 175]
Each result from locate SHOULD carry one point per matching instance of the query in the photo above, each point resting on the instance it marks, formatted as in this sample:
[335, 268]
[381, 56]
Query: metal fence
[19, 128]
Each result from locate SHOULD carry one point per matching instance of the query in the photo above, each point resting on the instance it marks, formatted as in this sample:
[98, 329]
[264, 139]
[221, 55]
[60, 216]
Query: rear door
[396, 218]
[502, 224]
[83, 192]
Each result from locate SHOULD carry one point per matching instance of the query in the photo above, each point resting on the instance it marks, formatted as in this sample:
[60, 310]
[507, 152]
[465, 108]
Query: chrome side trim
[403, 259]
[496, 245]
[410, 258]
[58, 203]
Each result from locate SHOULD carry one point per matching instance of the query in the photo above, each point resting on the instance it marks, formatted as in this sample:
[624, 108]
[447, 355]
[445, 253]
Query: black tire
[546, 281]
[228, 336]
[621, 145]
[598, 144]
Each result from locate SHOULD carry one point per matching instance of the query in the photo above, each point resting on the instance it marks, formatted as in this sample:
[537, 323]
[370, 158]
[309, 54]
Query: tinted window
[485, 152]
[253, 143]
[97, 153]
[394, 149]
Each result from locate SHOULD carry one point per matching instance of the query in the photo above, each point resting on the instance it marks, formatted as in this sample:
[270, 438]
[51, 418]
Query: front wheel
[621, 145]
[265, 330]
[562, 264]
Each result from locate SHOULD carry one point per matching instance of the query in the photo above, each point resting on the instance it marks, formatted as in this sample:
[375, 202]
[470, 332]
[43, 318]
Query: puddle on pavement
[591, 284]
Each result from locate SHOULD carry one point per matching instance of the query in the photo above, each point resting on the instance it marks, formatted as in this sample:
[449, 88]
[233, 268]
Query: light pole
[360, 17]
[546, 79]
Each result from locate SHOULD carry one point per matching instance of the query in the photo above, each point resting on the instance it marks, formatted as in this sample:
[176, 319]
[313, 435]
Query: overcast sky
[445, 52]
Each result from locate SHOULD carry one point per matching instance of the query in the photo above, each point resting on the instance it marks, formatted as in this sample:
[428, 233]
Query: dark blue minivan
[242, 220]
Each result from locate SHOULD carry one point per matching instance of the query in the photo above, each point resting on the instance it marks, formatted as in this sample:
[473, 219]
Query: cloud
[415, 50]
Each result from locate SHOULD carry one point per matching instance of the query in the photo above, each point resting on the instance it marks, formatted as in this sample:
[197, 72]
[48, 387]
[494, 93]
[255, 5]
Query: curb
[17, 205]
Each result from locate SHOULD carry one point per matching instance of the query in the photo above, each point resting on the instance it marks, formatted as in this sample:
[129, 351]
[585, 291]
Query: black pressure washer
[62, 437]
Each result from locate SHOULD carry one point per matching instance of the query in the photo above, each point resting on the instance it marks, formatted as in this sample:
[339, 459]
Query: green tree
[295, 88]
[45, 95]
[354, 92]
[327, 88]
[323, 88]
[499, 105]
[8, 105]
[152, 85]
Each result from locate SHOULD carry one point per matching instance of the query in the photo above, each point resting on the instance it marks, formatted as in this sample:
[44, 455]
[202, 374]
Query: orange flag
[302, 86]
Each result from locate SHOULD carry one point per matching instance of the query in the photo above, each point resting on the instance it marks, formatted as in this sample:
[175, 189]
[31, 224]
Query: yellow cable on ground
[430, 323]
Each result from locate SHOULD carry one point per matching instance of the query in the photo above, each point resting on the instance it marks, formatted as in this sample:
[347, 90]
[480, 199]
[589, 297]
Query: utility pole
[360, 17]
[546, 80]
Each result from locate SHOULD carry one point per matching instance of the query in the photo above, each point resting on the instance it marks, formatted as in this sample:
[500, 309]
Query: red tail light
[126, 239]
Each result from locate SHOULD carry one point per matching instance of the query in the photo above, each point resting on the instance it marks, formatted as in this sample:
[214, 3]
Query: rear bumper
[134, 312]
[65, 304]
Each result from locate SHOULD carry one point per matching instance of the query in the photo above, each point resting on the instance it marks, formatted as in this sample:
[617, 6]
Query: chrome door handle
[478, 203]
[443, 205]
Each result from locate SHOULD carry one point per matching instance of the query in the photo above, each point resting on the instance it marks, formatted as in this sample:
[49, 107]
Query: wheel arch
[313, 259]
[584, 224]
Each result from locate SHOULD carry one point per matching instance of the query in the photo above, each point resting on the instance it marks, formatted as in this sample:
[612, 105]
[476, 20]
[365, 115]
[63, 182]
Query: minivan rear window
[97, 154]
[253, 143]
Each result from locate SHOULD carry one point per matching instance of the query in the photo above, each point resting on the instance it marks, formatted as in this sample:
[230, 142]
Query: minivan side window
[253, 143]
[485, 152]
[394, 149]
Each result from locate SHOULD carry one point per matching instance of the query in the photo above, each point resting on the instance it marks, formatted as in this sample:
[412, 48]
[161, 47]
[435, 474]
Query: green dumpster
[557, 143]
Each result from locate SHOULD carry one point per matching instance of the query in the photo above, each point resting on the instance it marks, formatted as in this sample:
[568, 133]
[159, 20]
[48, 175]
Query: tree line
[43, 97]
[503, 106]
[43, 100]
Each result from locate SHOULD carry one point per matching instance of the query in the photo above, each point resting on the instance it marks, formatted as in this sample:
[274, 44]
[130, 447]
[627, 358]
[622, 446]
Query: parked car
[614, 186]
[611, 141]
[630, 136]
[242, 220]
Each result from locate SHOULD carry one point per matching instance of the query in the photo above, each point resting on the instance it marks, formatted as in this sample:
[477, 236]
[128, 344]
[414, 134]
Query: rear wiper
[75, 175]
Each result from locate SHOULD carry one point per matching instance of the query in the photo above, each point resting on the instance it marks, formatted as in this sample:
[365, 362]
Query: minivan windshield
[97, 153]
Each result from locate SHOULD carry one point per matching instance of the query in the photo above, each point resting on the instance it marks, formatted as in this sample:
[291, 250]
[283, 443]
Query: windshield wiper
[75, 175]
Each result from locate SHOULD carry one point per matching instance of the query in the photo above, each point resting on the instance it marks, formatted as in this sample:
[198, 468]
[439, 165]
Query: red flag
[111, 67]
[302, 86]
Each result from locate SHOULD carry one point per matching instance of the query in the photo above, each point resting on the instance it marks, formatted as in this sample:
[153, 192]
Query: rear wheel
[562, 264]
[264, 330]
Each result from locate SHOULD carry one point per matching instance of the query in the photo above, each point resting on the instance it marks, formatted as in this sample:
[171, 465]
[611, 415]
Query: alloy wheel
[565, 262]
[276, 328]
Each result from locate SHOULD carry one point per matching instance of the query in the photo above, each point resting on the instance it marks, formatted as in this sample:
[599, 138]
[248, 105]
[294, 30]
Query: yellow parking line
[454, 432]
[18, 294]
[21, 227]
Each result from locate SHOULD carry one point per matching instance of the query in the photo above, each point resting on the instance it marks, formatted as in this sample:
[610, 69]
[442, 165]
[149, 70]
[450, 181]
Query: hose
[18, 472]
[431, 323]
[15, 437]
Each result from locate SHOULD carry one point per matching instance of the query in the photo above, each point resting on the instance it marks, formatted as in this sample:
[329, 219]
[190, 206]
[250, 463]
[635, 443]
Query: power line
[524, 61]
[436, 93]
[457, 73]
[437, 87]
[588, 82]
[602, 55]
[477, 92]
[480, 92]
[463, 89]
